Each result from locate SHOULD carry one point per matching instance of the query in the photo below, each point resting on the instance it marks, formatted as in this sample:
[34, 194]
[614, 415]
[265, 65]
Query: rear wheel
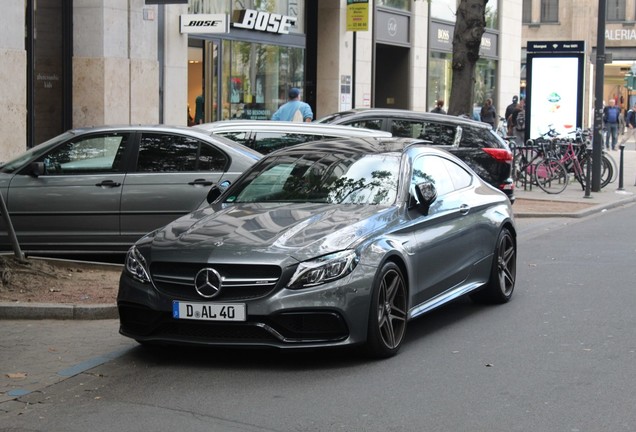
[551, 176]
[387, 317]
[503, 272]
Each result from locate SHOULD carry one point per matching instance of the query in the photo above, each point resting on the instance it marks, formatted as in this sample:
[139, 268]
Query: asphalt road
[561, 356]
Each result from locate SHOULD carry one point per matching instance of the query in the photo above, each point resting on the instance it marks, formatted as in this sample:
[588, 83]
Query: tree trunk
[469, 28]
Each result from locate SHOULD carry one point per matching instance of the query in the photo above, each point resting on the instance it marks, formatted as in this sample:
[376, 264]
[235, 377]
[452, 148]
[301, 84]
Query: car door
[75, 201]
[444, 241]
[172, 176]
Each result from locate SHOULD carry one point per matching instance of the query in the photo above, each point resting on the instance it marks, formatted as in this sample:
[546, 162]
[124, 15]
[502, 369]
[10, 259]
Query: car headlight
[136, 265]
[324, 269]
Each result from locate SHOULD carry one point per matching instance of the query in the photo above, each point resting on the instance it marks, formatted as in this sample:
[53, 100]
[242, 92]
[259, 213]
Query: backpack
[298, 117]
[520, 124]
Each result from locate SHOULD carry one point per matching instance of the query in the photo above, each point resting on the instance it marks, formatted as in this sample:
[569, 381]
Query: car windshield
[33, 153]
[336, 178]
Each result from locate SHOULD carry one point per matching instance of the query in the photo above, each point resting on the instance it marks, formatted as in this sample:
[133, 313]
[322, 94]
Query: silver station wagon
[324, 244]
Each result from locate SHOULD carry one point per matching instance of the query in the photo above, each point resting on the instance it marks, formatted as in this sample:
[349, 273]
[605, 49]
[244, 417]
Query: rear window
[473, 137]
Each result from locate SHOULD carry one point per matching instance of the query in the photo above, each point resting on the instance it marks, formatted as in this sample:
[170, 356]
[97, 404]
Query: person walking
[630, 124]
[610, 121]
[439, 107]
[509, 110]
[294, 109]
[488, 114]
[518, 122]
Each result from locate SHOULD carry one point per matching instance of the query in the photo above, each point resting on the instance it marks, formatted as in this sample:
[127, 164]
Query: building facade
[577, 20]
[84, 63]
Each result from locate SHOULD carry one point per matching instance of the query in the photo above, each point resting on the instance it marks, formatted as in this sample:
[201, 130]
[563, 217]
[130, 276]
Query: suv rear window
[473, 137]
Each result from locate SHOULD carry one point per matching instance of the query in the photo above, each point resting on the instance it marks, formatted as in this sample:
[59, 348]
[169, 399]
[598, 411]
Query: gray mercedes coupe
[323, 244]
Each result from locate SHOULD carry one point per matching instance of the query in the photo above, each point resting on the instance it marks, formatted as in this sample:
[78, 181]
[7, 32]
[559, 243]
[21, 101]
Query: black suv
[473, 142]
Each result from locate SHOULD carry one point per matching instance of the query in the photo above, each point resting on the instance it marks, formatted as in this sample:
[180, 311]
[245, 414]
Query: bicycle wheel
[608, 173]
[551, 176]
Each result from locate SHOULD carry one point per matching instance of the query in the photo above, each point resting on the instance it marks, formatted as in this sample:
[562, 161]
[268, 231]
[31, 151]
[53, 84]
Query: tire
[503, 273]
[608, 173]
[551, 176]
[387, 315]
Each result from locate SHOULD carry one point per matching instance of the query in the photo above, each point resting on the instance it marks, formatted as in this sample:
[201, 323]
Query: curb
[578, 214]
[37, 311]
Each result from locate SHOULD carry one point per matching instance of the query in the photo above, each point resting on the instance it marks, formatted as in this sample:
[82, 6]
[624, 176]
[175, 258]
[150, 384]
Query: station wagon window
[375, 124]
[475, 138]
[437, 133]
[177, 153]
[87, 155]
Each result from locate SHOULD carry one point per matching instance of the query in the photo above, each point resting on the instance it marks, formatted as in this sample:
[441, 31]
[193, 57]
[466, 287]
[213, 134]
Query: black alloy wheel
[504, 271]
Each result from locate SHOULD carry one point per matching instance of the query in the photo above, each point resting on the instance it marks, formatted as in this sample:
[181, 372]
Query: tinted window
[177, 153]
[438, 133]
[84, 155]
[432, 169]
[476, 138]
[375, 124]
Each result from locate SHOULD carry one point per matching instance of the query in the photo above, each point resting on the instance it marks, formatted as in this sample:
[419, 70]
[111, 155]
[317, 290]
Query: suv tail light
[499, 154]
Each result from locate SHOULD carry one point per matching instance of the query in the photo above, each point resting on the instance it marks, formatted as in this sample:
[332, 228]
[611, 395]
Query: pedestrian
[439, 107]
[509, 109]
[198, 109]
[610, 121]
[488, 114]
[518, 122]
[630, 124]
[294, 109]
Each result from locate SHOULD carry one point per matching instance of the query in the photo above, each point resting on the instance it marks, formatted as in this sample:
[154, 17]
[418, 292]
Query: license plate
[208, 311]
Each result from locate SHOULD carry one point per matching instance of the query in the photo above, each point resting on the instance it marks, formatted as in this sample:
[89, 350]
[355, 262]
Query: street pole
[597, 142]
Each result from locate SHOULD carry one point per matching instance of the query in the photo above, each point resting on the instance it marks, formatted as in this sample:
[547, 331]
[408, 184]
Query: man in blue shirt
[294, 109]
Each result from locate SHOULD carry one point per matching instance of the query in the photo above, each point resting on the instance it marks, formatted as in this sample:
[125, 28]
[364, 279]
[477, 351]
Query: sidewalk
[573, 202]
[533, 203]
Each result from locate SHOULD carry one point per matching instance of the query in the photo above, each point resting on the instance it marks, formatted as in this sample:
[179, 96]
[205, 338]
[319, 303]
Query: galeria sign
[264, 21]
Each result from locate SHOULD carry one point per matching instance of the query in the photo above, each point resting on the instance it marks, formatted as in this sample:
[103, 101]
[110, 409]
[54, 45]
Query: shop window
[404, 5]
[549, 11]
[258, 78]
[615, 10]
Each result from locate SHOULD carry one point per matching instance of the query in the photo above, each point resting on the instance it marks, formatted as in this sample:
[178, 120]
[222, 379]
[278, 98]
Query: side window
[438, 133]
[407, 128]
[459, 176]
[87, 155]
[176, 153]
[432, 169]
[375, 124]
[473, 137]
[240, 137]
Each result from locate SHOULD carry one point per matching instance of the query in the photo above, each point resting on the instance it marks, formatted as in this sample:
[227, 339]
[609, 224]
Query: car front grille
[240, 282]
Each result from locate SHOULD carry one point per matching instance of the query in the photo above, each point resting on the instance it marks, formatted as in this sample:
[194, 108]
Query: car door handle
[201, 182]
[464, 209]
[108, 184]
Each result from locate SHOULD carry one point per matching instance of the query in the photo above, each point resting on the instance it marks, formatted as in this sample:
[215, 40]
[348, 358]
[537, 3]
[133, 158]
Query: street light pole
[597, 142]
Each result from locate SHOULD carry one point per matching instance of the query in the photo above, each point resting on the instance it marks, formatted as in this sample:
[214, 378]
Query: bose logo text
[207, 23]
[265, 22]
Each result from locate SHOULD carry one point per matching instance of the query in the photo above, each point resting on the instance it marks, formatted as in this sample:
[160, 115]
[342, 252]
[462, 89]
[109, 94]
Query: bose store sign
[250, 19]
[204, 23]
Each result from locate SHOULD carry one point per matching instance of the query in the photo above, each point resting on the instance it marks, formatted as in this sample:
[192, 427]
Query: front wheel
[503, 272]
[387, 317]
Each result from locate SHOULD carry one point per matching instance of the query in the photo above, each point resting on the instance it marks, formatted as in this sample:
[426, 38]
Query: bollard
[588, 177]
[620, 168]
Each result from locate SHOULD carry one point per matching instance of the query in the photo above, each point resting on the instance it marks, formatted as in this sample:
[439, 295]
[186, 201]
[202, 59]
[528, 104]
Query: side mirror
[426, 194]
[38, 169]
[217, 190]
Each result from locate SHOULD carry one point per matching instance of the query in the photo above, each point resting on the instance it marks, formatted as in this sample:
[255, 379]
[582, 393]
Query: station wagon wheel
[387, 317]
[503, 273]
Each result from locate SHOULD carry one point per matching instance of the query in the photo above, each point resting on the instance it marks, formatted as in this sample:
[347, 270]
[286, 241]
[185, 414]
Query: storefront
[241, 62]
[440, 58]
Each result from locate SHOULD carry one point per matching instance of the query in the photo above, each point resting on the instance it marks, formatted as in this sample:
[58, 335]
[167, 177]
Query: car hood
[269, 233]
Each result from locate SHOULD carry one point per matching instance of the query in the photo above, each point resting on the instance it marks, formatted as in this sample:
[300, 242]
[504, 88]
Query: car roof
[275, 126]
[369, 145]
[397, 113]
